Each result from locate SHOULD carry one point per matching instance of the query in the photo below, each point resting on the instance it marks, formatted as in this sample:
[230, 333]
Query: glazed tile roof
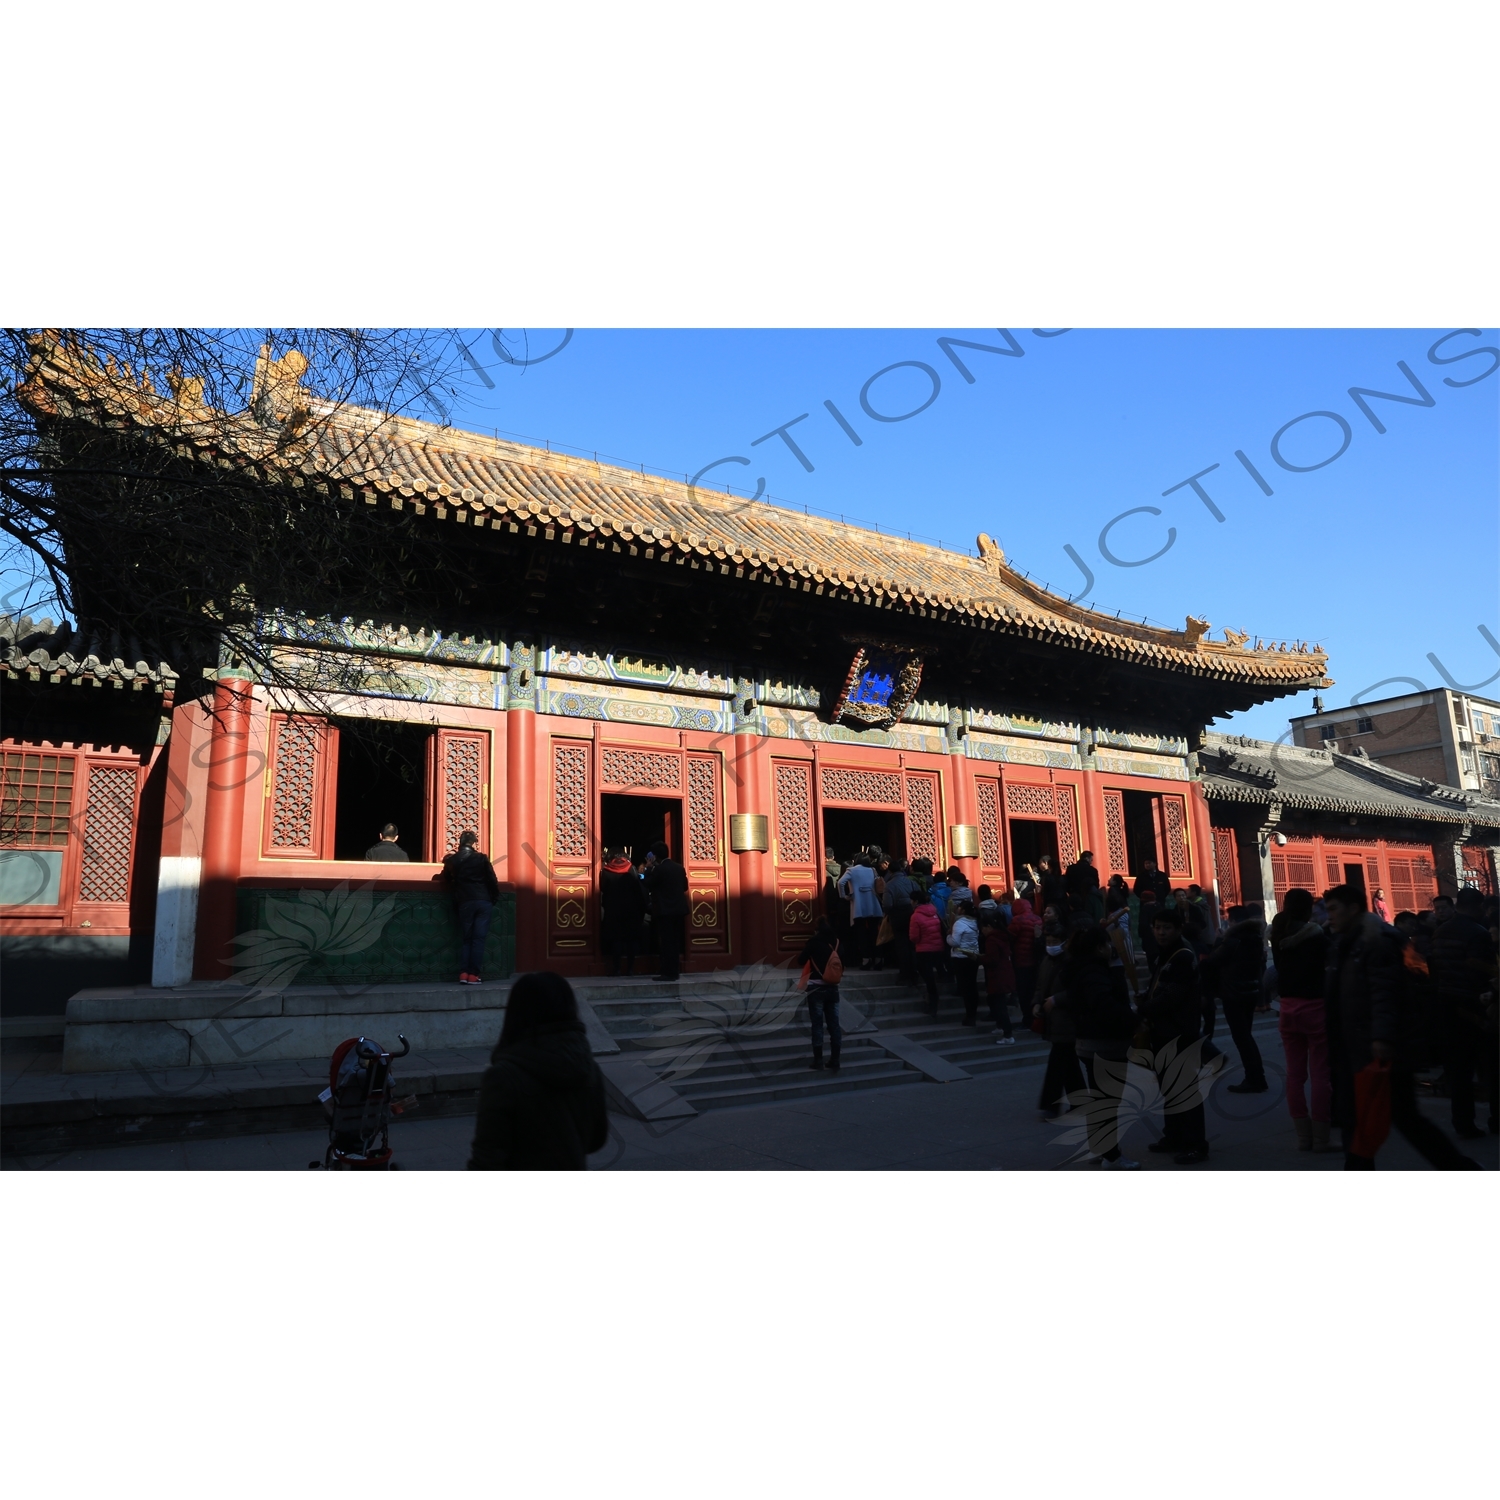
[457, 476]
[1237, 769]
[38, 649]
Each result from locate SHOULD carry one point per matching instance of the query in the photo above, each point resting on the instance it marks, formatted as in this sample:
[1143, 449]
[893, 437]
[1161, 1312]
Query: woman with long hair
[541, 1100]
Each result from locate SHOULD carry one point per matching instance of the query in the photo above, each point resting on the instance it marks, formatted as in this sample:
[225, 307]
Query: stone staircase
[741, 1037]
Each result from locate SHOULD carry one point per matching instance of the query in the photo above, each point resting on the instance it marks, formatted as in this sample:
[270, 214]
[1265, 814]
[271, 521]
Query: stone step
[853, 1065]
[806, 1085]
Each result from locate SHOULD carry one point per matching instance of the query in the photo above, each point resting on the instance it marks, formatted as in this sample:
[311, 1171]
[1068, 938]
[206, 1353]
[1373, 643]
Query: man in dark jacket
[1239, 967]
[387, 848]
[1153, 880]
[541, 1101]
[622, 907]
[1082, 882]
[1374, 1018]
[1463, 973]
[1173, 1012]
[667, 893]
[470, 878]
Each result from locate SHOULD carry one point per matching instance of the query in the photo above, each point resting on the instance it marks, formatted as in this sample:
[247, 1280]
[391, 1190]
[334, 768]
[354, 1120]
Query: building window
[1328, 731]
[381, 779]
[1364, 726]
[36, 805]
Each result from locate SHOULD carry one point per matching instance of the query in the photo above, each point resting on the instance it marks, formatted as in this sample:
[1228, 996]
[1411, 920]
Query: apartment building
[1449, 738]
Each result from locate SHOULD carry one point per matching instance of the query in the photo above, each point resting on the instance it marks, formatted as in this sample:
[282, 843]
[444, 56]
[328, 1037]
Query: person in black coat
[622, 909]
[1374, 1017]
[1463, 975]
[1102, 1024]
[541, 1100]
[1173, 1013]
[1239, 967]
[470, 878]
[667, 893]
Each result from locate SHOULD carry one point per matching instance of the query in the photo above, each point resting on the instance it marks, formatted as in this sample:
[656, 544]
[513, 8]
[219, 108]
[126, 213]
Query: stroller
[359, 1106]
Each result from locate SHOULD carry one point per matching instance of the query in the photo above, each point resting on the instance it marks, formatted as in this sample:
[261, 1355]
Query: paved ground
[987, 1123]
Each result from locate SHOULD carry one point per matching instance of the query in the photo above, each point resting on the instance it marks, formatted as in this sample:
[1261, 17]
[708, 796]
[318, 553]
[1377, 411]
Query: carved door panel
[924, 818]
[797, 884]
[1172, 836]
[1116, 860]
[459, 775]
[708, 908]
[1065, 800]
[991, 850]
[1227, 868]
[299, 804]
[108, 829]
[570, 839]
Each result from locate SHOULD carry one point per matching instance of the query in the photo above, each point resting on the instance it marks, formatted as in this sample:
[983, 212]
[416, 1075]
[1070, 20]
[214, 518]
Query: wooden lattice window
[295, 787]
[922, 835]
[793, 789]
[1023, 799]
[1227, 867]
[36, 799]
[462, 790]
[570, 801]
[109, 822]
[1116, 847]
[703, 810]
[1479, 870]
[640, 770]
[1067, 825]
[1174, 828]
[851, 784]
[987, 795]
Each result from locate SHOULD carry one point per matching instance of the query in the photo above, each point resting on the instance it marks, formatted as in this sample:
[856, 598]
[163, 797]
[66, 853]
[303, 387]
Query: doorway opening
[1030, 839]
[1140, 830]
[848, 831]
[635, 823]
[382, 778]
[1354, 875]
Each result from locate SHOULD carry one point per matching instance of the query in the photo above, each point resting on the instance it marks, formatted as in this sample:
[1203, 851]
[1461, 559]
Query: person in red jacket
[1024, 931]
[999, 974]
[927, 943]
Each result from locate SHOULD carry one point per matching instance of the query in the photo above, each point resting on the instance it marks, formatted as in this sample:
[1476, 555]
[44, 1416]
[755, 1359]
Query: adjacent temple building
[641, 660]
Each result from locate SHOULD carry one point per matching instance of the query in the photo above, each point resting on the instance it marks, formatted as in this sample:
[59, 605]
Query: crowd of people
[1062, 953]
[1369, 1007]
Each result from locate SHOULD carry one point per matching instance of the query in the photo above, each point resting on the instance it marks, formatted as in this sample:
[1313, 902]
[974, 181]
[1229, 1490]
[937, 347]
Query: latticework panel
[1174, 828]
[463, 778]
[1114, 832]
[847, 784]
[1022, 800]
[108, 824]
[1067, 824]
[36, 799]
[922, 818]
[641, 769]
[570, 801]
[793, 786]
[988, 795]
[1478, 870]
[703, 812]
[1226, 867]
[294, 790]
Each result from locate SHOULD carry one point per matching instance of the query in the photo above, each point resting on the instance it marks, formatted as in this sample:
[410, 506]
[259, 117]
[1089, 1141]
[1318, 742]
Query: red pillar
[965, 809]
[757, 894]
[521, 847]
[229, 769]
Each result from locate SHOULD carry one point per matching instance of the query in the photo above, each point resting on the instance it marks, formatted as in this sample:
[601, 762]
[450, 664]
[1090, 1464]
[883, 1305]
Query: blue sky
[1385, 554]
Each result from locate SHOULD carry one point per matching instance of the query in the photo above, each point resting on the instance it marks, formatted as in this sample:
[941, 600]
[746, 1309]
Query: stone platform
[205, 1024]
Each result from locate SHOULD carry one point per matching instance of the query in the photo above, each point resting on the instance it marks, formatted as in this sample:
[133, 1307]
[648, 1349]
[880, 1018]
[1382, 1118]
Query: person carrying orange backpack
[822, 968]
